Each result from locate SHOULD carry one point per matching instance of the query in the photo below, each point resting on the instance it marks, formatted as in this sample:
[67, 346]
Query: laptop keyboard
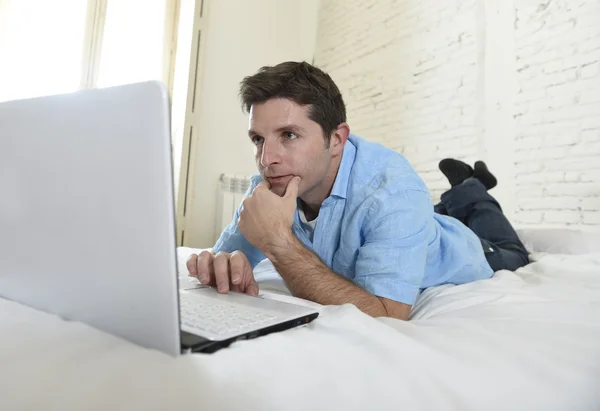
[219, 318]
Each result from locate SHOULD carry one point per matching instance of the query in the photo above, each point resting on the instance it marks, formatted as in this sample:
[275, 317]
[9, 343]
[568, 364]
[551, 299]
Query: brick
[539, 105]
[574, 189]
[563, 203]
[528, 167]
[571, 176]
[585, 149]
[592, 218]
[529, 191]
[581, 163]
[551, 129]
[528, 217]
[556, 79]
[531, 178]
[550, 203]
[590, 70]
[554, 176]
[591, 176]
[562, 141]
[568, 99]
[540, 177]
[580, 111]
[563, 217]
[590, 203]
[589, 136]
[558, 65]
[588, 87]
[531, 119]
[589, 45]
[589, 96]
[591, 122]
[531, 94]
[548, 153]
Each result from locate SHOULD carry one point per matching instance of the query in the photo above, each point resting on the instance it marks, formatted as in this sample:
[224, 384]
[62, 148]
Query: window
[59, 46]
[133, 41]
[40, 47]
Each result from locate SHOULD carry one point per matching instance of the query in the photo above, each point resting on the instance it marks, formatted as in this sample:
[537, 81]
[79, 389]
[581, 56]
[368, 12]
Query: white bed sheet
[528, 340]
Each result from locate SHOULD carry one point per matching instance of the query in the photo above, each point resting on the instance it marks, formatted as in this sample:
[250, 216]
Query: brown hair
[302, 83]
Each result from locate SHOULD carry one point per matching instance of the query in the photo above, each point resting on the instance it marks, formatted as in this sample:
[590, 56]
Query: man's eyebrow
[288, 127]
[291, 127]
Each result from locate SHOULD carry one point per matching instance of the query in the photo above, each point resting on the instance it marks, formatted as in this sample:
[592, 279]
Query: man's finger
[236, 288]
[249, 284]
[221, 264]
[204, 267]
[237, 264]
[191, 265]
[252, 287]
[291, 191]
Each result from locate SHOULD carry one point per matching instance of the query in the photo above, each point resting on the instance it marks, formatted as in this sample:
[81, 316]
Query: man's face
[286, 144]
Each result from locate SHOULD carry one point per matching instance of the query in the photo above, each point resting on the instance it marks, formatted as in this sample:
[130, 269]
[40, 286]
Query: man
[343, 220]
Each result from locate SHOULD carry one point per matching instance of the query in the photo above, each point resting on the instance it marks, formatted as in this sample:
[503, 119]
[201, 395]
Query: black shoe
[482, 174]
[455, 170]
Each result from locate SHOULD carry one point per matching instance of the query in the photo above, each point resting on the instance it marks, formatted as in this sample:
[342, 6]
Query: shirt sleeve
[391, 262]
[231, 239]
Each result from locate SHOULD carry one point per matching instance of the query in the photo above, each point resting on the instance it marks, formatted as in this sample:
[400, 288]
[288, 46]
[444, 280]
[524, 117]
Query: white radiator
[232, 188]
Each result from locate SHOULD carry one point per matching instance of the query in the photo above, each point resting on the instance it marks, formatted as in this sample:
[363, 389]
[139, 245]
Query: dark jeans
[470, 203]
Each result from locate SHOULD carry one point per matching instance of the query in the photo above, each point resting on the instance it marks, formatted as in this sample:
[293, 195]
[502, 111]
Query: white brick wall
[414, 75]
[407, 70]
[557, 112]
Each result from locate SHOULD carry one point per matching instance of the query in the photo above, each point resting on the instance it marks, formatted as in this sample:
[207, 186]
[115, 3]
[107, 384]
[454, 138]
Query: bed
[524, 340]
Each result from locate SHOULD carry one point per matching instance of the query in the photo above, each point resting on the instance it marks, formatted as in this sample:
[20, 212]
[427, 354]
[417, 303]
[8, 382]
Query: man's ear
[338, 138]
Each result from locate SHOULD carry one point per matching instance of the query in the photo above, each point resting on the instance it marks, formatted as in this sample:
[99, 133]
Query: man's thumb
[291, 191]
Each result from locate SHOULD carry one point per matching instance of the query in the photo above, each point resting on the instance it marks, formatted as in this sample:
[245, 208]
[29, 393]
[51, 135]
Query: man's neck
[310, 213]
[312, 201]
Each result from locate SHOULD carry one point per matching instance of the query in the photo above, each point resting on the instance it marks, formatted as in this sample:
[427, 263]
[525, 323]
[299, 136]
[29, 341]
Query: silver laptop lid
[87, 222]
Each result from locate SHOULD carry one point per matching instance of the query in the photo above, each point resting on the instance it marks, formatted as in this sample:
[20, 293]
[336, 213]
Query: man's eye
[290, 136]
[257, 140]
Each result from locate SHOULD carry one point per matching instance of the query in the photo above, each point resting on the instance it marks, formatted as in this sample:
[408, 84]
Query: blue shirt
[378, 229]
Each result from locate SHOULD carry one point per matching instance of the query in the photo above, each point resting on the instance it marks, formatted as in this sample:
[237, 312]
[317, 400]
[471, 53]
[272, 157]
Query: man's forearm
[307, 277]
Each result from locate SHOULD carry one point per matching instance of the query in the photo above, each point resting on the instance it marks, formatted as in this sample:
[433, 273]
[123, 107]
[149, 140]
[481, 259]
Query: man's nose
[270, 154]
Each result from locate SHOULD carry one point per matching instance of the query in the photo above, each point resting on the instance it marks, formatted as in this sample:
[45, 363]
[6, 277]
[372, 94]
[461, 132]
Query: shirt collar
[340, 186]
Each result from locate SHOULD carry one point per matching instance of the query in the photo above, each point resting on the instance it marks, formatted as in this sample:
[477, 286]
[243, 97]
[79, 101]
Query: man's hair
[301, 83]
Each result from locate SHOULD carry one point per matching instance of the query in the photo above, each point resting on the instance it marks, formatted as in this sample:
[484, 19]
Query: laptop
[87, 224]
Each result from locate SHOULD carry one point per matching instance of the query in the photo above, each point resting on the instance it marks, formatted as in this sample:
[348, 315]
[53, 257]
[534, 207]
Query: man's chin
[278, 189]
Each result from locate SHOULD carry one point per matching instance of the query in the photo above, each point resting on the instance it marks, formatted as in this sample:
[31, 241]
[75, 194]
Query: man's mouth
[278, 179]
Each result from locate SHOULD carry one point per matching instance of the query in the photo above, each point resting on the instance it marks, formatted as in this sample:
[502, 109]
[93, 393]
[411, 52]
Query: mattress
[524, 340]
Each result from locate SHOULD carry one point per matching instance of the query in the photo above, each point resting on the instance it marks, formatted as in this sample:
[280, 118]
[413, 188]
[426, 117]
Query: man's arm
[307, 277]
[391, 263]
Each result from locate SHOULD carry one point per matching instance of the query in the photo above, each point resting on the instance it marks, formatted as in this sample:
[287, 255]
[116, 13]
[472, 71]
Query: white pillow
[559, 240]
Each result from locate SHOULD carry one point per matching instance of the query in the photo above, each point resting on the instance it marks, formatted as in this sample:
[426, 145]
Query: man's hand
[266, 219]
[223, 270]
